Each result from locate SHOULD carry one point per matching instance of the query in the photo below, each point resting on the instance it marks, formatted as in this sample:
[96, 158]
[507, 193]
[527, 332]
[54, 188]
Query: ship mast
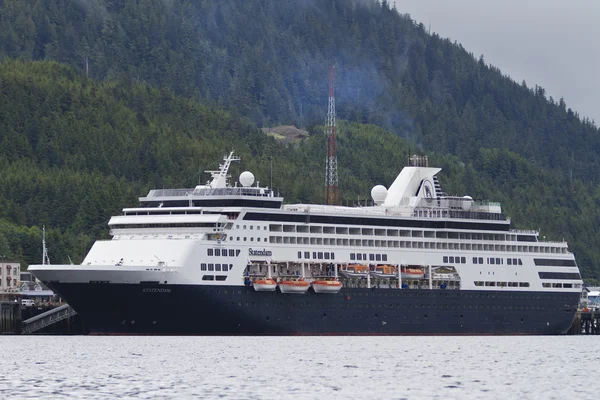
[45, 258]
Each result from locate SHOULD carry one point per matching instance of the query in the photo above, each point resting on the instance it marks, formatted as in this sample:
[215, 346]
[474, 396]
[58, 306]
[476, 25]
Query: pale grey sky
[552, 43]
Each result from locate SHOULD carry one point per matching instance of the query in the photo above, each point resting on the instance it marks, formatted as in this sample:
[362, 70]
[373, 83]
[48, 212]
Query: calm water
[279, 367]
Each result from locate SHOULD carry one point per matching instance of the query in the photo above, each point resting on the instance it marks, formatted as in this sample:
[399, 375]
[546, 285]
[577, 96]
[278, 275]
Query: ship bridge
[217, 192]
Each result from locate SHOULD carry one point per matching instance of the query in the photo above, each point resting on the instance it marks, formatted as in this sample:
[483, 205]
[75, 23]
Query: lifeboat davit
[289, 286]
[333, 286]
[385, 271]
[264, 285]
[354, 271]
[412, 273]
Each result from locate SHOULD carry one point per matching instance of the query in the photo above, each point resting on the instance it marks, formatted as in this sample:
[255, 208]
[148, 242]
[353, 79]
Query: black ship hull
[140, 309]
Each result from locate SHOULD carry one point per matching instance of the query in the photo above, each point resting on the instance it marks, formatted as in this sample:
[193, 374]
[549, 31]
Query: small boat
[385, 271]
[321, 286]
[354, 271]
[412, 273]
[264, 285]
[294, 286]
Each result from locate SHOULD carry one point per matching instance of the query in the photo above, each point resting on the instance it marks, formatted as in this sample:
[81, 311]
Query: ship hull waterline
[153, 309]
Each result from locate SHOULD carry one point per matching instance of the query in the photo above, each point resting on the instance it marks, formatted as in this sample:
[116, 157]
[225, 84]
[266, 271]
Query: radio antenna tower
[331, 174]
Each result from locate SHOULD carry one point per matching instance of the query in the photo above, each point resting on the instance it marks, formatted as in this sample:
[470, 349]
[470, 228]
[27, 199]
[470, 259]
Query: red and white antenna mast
[331, 174]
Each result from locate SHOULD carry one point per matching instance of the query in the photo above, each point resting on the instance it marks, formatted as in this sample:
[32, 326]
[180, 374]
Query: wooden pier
[10, 317]
[586, 322]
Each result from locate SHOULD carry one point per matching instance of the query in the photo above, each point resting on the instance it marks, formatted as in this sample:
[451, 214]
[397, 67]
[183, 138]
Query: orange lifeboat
[264, 285]
[412, 273]
[294, 286]
[321, 286]
[354, 271]
[385, 271]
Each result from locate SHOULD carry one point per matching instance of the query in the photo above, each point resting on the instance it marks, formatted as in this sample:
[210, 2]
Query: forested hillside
[172, 84]
[268, 60]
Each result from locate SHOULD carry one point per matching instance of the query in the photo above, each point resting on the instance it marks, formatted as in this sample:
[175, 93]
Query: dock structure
[586, 322]
[10, 317]
[47, 318]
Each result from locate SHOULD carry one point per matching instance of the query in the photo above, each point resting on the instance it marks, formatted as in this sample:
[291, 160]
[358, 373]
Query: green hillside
[268, 60]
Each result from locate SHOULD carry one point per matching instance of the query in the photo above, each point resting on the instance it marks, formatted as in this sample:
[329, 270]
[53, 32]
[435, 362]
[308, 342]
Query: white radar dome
[246, 178]
[379, 193]
[467, 202]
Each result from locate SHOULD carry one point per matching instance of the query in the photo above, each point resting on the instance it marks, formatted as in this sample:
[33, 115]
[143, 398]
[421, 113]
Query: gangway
[47, 318]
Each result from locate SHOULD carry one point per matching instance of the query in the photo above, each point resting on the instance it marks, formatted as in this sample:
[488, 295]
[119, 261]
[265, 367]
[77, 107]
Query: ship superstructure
[239, 261]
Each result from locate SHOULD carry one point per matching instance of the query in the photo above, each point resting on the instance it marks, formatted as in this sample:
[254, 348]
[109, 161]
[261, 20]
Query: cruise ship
[233, 259]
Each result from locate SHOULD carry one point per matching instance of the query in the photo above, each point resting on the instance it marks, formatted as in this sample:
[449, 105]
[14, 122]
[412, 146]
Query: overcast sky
[552, 43]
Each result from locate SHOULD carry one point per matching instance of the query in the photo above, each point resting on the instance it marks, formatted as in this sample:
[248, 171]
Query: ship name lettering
[156, 290]
[262, 252]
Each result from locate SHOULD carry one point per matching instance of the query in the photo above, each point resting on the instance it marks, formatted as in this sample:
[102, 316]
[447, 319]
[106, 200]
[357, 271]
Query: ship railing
[524, 231]
[228, 191]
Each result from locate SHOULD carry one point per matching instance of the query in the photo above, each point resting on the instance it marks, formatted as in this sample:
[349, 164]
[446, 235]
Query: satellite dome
[246, 178]
[379, 193]
[467, 202]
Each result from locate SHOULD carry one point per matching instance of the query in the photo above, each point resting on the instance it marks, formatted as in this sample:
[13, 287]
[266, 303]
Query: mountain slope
[268, 61]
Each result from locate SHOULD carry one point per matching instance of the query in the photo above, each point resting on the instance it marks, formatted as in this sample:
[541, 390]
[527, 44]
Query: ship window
[384, 257]
[498, 261]
[567, 285]
[221, 277]
[245, 239]
[492, 261]
[359, 257]
[479, 283]
[208, 278]
[509, 261]
[371, 257]
[445, 259]
[474, 260]
[377, 257]
[211, 267]
[225, 267]
[217, 267]
[314, 255]
[326, 256]
[320, 256]
[203, 267]
[463, 260]
[451, 259]
[352, 256]
[244, 226]
[237, 253]
[364, 257]
[523, 284]
[251, 227]
[545, 284]
[217, 252]
[333, 256]
[231, 253]
[520, 262]
[299, 254]
[252, 239]
[306, 254]
[209, 252]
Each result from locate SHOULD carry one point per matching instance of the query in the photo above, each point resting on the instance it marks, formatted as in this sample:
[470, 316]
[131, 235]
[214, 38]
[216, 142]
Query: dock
[586, 322]
[10, 318]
